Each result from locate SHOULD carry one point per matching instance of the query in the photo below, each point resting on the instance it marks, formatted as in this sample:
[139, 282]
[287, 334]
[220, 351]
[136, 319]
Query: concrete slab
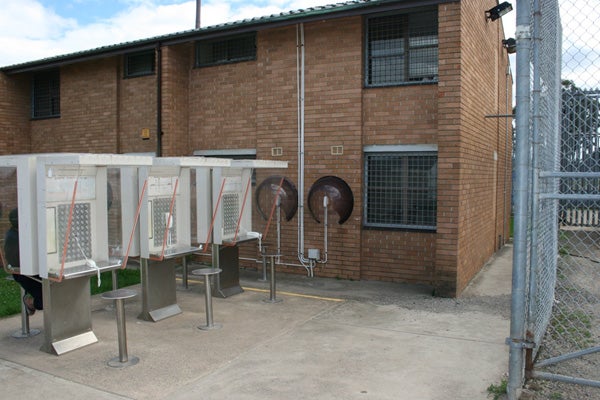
[327, 339]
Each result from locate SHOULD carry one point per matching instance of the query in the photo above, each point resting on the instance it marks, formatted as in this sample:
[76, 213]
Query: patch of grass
[10, 295]
[10, 291]
[125, 277]
[497, 390]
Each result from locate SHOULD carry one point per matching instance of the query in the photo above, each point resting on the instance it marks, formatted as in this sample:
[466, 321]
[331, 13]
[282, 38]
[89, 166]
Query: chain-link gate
[555, 326]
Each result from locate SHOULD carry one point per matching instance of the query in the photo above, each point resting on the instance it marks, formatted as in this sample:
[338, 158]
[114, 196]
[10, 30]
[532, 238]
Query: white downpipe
[278, 203]
[300, 80]
[325, 223]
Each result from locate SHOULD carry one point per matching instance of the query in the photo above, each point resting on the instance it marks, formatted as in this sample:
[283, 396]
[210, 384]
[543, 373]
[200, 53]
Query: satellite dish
[339, 194]
[266, 193]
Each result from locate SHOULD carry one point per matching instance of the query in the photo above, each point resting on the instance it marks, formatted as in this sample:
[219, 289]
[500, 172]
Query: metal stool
[119, 296]
[25, 331]
[272, 293]
[207, 273]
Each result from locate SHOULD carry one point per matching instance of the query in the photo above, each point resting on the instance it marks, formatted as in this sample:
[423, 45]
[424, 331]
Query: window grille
[46, 94]
[401, 190]
[139, 64]
[234, 49]
[402, 48]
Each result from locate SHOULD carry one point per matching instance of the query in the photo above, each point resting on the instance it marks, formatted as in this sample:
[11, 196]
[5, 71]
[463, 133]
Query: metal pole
[121, 331]
[208, 302]
[25, 331]
[198, 4]
[115, 282]
[272, 295]
[263, 253]
[517, 326]
[184, 274]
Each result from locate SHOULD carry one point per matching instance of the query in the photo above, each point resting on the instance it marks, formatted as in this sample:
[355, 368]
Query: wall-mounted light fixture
[498, 11]
[510, 45]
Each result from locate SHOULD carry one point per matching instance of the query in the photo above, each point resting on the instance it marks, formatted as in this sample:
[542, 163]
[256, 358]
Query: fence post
[521, 197]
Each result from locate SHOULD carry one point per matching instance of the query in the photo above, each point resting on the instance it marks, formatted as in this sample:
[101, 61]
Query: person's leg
[33, 287]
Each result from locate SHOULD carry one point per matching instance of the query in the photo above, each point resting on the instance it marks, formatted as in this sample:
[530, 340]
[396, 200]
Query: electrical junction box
[313, 254]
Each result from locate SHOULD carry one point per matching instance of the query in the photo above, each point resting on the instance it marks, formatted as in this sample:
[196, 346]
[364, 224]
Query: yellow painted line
[307, 296]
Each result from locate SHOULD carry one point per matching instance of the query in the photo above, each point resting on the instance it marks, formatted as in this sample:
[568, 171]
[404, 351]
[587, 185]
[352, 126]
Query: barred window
[401, 190]
[139, 64]
[46, 94]
[222, 51]
[402, 48]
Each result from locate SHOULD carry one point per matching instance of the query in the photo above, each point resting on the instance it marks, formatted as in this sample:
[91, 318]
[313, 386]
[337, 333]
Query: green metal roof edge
[192, 34]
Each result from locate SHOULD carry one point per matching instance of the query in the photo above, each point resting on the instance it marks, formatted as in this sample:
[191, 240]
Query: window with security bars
[46, 94]
[402, 48]
[229, 50]
[401, 190]
[139, 64]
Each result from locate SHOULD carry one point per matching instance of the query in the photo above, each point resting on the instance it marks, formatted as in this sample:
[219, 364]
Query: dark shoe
[28, 301]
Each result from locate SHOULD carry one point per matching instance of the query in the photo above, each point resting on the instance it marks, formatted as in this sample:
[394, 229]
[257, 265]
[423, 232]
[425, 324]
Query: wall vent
[337, 150]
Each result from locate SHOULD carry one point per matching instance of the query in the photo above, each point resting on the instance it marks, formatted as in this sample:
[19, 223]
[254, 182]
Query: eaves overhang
[312, 14]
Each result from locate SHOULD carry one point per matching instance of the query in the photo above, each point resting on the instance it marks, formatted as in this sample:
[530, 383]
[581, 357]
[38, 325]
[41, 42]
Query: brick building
[395, 99]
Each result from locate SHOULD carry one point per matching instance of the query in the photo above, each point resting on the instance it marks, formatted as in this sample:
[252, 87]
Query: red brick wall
[332, 118]
[479, 138]
[392, 116]
[222, 106]
[100, 111]
[88, 117]
[15, 111]
[449, 155]
[177, 61]
[471, 198]
[137, 111]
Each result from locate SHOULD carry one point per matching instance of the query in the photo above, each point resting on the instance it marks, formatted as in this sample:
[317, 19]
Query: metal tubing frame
[562, 378]
[521, 195]
[566, 357]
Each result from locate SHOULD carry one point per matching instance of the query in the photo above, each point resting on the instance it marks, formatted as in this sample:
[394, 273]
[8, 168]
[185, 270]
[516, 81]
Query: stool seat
[206, 271]
[119, 294]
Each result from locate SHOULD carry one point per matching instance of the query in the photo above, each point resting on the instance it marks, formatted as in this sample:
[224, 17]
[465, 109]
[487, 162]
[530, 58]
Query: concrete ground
[327, 339]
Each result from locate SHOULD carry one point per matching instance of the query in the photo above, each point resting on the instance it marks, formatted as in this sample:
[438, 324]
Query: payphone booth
[81, 233]
[17, 178]
[229, 207]
[166, 221]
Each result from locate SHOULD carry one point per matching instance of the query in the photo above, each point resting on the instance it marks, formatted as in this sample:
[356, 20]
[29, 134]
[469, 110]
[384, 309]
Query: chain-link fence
[555, 327]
